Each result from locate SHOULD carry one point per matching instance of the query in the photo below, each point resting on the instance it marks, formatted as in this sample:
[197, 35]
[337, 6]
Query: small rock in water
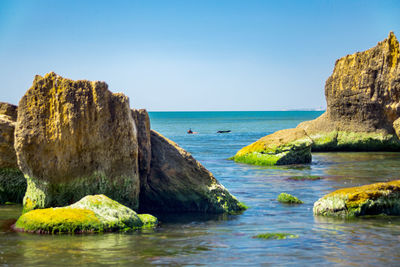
[287, 198]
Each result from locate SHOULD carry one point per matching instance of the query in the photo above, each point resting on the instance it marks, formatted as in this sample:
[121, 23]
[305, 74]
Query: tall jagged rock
[363, 102]
[12, 182]
[363, 106]
[75, 138]
[178, 182]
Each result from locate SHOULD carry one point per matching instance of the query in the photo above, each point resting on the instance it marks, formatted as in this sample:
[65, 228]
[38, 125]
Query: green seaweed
[278, 236]
[287, 198]
[305, 178]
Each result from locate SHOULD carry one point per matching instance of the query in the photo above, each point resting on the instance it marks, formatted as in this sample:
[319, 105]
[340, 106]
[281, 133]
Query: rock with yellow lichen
[373, 199]
[12, 181]
[76, 138]
[179, 183]
[94, 213]
[291, 146]
[363, 108]
[363, 102]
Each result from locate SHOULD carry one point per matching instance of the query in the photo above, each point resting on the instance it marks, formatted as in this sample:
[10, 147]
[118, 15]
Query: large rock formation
[12, 181]
[178, 182]
[373, 199]
[363, 108]
[291, 146]
[363, 102]
[75, 138]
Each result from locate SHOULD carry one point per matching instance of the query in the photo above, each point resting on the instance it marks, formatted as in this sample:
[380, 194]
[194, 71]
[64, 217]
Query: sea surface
[227, 240]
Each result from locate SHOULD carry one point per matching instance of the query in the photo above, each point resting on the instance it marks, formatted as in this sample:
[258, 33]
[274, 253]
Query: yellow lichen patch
[358, 195]
[59, 220]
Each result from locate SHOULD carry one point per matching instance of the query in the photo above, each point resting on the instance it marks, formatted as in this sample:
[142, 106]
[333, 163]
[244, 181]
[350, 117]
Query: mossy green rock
[289, 199]
[373, 199]
[96, 213]
[291, 146]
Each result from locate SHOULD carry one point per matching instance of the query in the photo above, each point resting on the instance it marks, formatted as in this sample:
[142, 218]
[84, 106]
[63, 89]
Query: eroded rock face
[12, 181]
[142, 121]
[75, 138]
[178, 182]
[363, 102]
[291, 146]
[373, 199]
[8, 116]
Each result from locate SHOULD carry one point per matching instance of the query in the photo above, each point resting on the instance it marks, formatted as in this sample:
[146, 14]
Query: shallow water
[198, 239]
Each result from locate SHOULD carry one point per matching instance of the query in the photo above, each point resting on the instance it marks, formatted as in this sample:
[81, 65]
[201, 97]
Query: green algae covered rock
[96, 213]
[276, 236]
[291, 146]
[289, 199]
[373, 199]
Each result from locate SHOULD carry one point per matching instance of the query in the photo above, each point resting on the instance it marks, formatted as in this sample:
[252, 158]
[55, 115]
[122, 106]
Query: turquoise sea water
[198, 239]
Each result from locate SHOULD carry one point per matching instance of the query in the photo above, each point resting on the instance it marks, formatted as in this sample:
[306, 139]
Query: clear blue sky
[190, 54]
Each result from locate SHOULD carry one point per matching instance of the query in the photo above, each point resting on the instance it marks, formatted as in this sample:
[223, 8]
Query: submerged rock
[276, 236]
[289, 199]
[12, 181]
[96, 213]
[291, 146]
[76, 138]
[373, 199]
[177, 182]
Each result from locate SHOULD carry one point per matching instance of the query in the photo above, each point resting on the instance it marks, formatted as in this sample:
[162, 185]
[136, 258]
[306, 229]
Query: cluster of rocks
[363, 114]
[70, 139]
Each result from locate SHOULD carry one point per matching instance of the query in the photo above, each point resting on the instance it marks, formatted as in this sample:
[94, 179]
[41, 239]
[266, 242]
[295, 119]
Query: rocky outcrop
[363, 102]
[373, 199]
[12, 181]
[291, 146]
[142, 121]
[96, 213]
[363, 109]
[76, 138]
[178, 182]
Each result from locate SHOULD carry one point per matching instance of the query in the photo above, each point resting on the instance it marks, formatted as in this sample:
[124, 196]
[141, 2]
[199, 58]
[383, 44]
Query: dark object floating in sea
[305, 178]
[227, 131]
[191, 132]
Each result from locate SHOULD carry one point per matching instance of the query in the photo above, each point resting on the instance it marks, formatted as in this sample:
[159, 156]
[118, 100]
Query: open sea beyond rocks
[198, 239]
